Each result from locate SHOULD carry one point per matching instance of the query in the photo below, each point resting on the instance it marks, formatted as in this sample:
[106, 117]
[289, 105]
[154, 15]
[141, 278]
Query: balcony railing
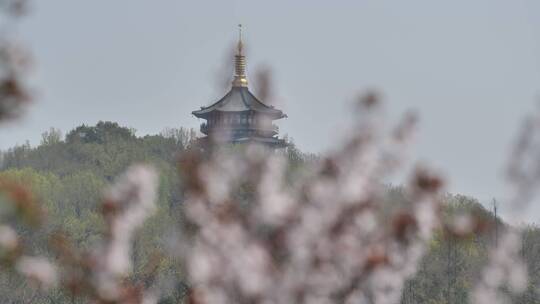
[205, 127]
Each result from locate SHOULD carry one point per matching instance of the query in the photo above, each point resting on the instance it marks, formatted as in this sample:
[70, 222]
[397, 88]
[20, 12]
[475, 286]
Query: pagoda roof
[239, 99]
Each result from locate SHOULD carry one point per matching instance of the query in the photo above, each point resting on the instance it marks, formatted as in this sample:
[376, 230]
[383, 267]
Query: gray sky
[470, 68]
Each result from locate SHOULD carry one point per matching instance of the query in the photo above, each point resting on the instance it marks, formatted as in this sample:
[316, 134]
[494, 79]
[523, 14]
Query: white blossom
[8, 237]
[38, 269]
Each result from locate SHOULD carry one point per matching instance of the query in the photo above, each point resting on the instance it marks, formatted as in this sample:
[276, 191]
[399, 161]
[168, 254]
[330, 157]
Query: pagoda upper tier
[239, 117]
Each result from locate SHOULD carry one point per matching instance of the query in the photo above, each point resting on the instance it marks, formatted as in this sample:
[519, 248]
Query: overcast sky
[470, 68]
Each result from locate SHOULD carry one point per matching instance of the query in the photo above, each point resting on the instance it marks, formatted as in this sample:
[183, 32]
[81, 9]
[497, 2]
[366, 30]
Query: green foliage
[103, 132]
[69, 176]
[448, 273]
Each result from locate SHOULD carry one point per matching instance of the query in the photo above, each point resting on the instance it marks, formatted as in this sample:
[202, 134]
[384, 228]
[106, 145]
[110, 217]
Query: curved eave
[201, 114]
[210, 108]
[258, 105]
[271, 141]
[249, 101]
[205, 115]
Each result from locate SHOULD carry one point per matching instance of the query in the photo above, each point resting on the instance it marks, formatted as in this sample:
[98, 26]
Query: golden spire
[240, 43]
[240, 79]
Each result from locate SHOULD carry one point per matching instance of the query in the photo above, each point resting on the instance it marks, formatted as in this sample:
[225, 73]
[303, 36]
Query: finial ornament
[240, 79]
[240, 43]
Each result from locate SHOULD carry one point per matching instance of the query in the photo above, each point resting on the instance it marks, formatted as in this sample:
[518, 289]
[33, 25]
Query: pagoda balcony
[269, 130]
[204, 128]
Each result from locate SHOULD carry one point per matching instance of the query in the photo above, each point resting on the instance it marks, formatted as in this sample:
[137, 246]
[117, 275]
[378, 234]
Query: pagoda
[239, 117]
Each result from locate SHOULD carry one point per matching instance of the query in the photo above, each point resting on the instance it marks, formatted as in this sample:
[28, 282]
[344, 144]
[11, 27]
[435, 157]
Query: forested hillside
[68, 174]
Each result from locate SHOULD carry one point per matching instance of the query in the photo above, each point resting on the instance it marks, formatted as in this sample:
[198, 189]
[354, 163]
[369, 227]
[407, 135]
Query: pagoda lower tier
[271, 142]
